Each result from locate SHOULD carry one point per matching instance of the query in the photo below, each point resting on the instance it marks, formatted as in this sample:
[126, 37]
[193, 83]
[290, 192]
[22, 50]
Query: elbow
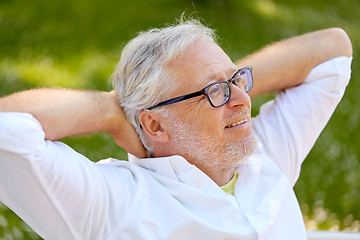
[341, 41]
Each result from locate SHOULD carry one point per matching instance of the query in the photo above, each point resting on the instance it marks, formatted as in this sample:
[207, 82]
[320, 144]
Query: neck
[217, 161]
[219, 171]
[219, 174]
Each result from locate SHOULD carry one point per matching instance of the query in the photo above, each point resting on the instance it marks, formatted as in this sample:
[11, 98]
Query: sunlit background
[76, 44]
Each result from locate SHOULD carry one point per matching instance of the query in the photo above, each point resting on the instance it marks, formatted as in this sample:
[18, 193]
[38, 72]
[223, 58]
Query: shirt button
[198, 183]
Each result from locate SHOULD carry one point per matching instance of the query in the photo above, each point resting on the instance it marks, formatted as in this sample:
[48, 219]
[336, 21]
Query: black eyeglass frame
[204, 91]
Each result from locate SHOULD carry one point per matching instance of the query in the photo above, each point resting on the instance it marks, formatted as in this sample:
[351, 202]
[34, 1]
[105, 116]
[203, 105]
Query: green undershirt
[230, 186]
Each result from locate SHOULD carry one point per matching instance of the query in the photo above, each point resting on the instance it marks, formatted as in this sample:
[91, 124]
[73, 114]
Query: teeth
[237, 123]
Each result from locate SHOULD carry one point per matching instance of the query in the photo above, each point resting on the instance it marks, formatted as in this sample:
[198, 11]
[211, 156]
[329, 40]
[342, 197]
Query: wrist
[114, 116]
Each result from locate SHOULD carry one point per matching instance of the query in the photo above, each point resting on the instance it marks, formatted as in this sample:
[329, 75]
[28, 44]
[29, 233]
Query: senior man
[211, 171]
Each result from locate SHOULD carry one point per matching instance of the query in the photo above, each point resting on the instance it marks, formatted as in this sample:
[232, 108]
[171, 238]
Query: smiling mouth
[237, 123]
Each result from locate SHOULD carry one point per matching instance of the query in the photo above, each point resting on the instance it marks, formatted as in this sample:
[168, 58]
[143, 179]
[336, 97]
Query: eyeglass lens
[219, 93]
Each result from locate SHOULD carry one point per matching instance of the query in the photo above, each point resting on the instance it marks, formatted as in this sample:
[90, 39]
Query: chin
[242, 148]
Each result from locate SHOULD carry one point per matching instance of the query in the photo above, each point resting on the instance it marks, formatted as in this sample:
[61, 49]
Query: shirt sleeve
[289, 125]
[57, 191]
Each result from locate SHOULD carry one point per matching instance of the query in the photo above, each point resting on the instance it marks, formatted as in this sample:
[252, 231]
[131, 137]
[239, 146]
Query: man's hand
[123, 132]
[64, 112]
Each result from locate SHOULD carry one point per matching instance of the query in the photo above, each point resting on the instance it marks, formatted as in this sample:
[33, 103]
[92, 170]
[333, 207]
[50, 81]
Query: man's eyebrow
[213, 77]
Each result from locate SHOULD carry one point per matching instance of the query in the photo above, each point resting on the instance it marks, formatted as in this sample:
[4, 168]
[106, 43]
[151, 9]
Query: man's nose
[238, 97]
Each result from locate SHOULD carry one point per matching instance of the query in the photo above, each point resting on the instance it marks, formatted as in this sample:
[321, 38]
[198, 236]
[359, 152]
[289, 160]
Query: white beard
[208, 150]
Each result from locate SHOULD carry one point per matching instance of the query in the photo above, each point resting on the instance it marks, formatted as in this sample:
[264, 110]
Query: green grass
[76, 44]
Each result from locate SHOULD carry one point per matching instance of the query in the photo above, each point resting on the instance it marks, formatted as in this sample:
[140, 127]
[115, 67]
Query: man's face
[204, 135]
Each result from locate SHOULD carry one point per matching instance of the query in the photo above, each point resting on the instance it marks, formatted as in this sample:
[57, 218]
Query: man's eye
[240, 81]
[214, 90]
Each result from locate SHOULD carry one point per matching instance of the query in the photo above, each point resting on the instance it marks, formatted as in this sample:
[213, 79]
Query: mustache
[241, 113]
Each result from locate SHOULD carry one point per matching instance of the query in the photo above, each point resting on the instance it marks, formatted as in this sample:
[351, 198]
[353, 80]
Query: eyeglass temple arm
[177, 99]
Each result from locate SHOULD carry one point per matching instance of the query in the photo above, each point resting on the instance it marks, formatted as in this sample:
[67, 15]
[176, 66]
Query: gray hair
[141, 78]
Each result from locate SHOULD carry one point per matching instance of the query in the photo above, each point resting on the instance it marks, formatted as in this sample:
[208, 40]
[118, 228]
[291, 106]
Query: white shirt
[63, 195]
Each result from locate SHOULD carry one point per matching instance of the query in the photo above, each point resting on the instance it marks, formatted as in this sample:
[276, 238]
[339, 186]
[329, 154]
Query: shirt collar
[175, 167]
[178, 168]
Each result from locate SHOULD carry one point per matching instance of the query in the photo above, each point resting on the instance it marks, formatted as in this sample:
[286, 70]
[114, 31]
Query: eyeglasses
[218, 93]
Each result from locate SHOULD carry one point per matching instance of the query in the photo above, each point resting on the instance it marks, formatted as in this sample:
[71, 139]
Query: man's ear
[153, 126]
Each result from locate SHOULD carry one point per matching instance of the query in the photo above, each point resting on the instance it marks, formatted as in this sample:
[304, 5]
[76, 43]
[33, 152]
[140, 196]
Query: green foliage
[76, 44]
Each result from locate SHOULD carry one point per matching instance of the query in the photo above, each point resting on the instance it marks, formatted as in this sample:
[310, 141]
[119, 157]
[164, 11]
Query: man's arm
[289, 126]
[286, 63]
[64, 112]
